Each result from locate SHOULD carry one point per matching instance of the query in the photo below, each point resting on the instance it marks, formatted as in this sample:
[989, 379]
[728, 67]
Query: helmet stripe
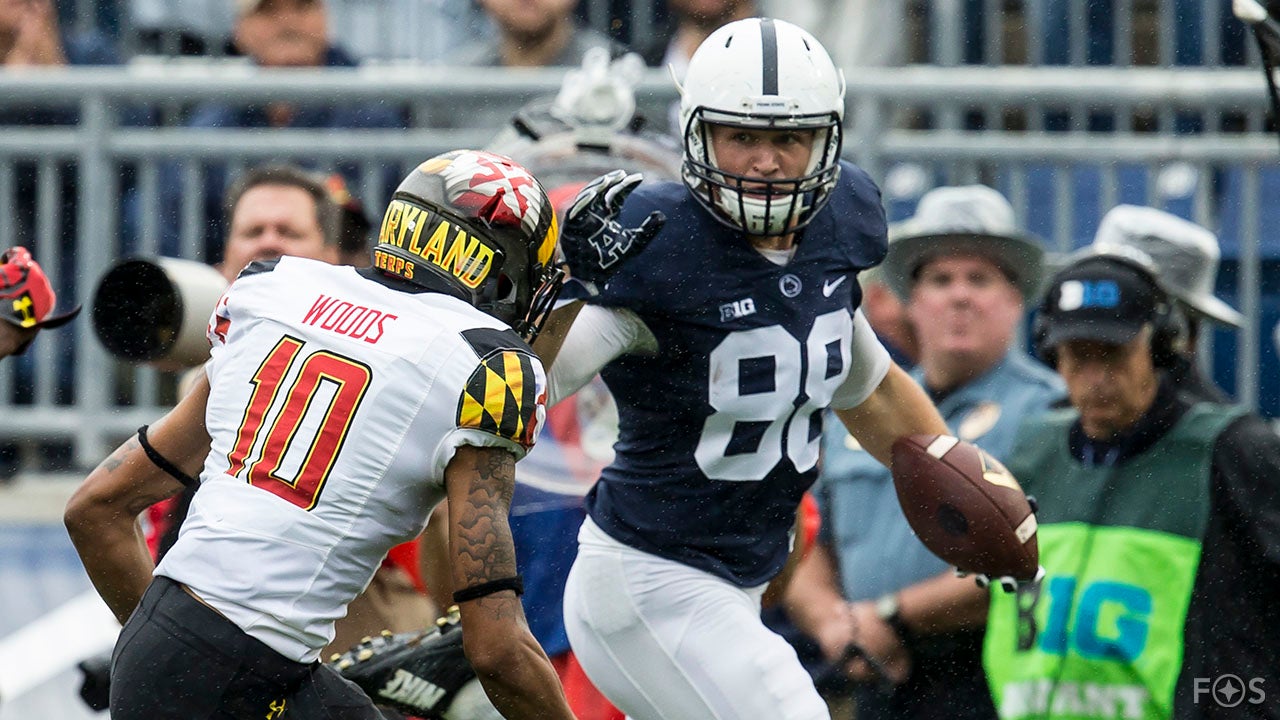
[769, 55]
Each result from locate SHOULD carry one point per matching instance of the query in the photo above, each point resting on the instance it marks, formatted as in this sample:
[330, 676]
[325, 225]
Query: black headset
[1168, 324]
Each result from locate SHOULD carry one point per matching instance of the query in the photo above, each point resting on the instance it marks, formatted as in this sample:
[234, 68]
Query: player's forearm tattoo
[484, 551]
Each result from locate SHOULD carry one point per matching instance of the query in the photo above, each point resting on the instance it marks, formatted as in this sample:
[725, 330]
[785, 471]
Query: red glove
[30, 296]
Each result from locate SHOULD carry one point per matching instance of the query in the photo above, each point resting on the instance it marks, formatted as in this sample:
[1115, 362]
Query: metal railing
[69, 389]
[1081, 32]
[986, 32]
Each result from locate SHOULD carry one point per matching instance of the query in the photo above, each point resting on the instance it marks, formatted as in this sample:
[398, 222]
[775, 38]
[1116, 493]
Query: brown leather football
[965, 506]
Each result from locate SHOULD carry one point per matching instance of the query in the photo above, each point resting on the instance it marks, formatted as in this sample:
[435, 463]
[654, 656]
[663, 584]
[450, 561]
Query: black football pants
[177, 658]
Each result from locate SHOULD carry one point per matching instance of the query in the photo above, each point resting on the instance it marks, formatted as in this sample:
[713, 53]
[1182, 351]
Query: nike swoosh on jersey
[829, 286]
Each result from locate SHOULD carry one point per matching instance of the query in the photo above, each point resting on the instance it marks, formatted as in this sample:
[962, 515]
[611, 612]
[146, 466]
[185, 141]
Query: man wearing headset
[1187, 255]
[1154, 509]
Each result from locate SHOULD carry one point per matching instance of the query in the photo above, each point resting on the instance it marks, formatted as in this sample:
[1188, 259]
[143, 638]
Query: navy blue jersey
[720, 429]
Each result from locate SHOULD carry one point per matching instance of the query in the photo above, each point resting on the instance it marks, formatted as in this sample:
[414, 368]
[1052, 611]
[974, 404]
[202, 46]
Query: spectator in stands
[860, 33]
[1187, 256]
[290, 34]
[273, 34]
[690, 23]
[534, 33]
[965, 271]
[30, 36]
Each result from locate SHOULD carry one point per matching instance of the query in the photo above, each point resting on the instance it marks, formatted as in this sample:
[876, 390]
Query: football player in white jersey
[339, 406]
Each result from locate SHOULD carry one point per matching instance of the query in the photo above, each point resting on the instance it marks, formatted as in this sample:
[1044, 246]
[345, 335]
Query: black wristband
[162, 462]
[514, 583]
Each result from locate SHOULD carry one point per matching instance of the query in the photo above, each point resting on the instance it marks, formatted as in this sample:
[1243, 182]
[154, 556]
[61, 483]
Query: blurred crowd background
[122, 123]
[123, 120]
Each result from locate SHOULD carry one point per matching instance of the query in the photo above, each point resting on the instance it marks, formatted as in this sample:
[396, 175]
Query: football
[965, 506]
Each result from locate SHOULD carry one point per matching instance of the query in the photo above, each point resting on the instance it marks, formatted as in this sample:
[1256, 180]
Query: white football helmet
[767, 74]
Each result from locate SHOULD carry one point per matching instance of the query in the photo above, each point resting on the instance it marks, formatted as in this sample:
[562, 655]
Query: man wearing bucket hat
[1154, 508]
[964, 270]
[29, 302]
[1186, 255]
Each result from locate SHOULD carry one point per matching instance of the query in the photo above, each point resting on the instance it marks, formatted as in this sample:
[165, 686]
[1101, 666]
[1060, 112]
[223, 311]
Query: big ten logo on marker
[446, 245]
[1107, 620]
[347, 318]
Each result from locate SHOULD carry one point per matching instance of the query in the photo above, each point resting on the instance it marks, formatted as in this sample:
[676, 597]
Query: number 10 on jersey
[277, 435]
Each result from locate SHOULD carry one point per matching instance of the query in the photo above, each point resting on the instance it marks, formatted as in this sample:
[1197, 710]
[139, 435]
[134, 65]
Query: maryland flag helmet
[478, 226]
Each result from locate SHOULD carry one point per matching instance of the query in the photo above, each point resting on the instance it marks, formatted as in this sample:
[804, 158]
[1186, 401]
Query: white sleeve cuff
[598, 335]
[867, 368]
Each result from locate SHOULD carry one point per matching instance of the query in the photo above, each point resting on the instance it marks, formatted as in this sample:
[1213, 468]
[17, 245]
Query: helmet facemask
[521, 292]
[762, 206]
[764, 75]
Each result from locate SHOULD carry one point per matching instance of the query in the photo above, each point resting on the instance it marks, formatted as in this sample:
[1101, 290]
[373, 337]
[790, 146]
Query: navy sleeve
[866, 217]
[635, 284]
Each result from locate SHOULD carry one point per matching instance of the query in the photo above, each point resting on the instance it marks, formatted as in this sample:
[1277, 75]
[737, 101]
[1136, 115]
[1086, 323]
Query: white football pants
[665, 641]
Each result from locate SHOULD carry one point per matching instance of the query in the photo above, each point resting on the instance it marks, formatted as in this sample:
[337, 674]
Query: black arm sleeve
[1230, 626]
[1246, 481]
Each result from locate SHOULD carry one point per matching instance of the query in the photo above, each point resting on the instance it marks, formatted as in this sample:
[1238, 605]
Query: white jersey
[335, 404]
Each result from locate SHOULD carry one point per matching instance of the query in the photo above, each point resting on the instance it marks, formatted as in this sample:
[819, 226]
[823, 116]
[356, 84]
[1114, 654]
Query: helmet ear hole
[506, 288]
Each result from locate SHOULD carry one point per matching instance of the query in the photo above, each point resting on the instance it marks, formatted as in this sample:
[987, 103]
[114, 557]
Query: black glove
[593, 242]
[1008, 583]
[95, 689]
[417, 673]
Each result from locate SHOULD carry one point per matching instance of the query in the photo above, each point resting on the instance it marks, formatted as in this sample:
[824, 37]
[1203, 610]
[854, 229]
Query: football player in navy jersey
[724, 333]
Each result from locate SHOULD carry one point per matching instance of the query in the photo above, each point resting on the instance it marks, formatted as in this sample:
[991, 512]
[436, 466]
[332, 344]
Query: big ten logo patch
[1079, 294]
[737, 309]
